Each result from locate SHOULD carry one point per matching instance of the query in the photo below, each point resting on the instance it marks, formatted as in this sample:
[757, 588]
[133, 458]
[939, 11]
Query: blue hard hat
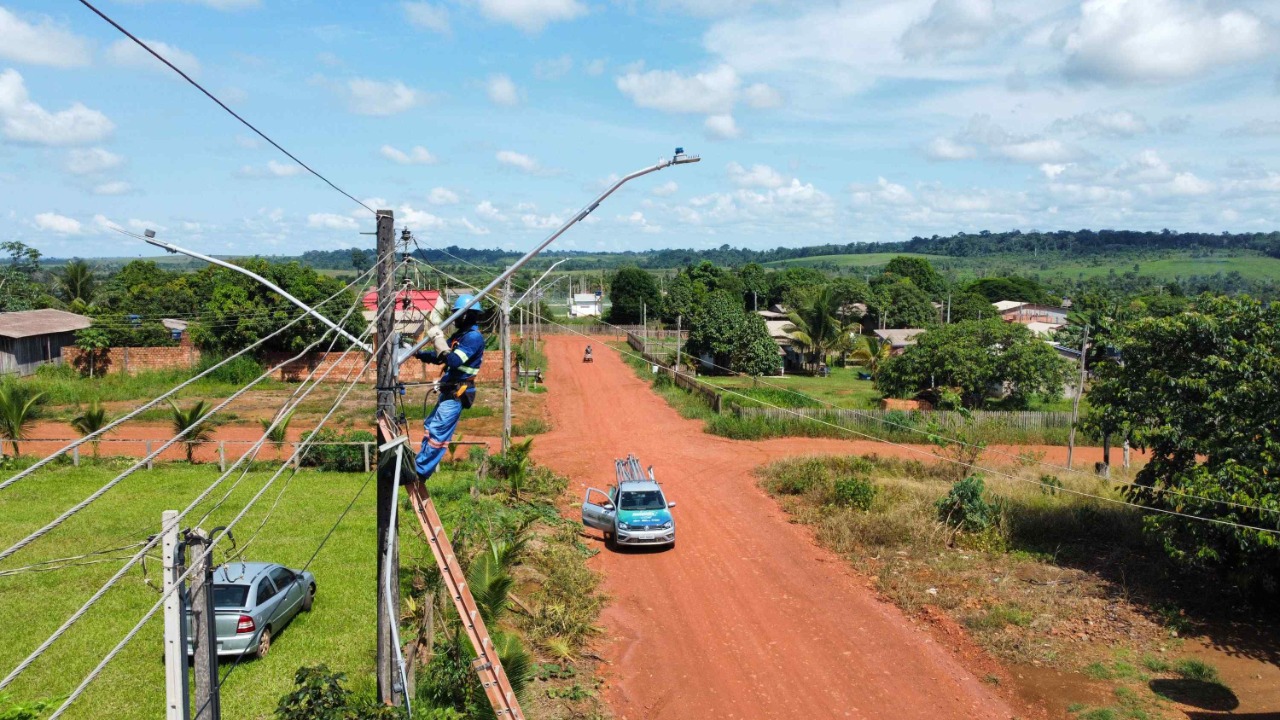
[462, 301]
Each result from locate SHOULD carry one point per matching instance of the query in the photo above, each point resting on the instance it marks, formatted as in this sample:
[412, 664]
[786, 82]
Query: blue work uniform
[457, 390]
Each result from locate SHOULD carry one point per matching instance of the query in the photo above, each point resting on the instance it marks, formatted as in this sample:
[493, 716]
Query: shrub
[240, 371]
[337, 458]
[1193, 669]
[966, 506]
[854, 492]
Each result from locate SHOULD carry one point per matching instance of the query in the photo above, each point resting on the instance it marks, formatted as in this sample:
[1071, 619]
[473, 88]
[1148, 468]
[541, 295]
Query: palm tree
[91, 421]
[278, 434]
[19, 408]
[199, 428]
[815, 326]
[76, 282]
[872, 353]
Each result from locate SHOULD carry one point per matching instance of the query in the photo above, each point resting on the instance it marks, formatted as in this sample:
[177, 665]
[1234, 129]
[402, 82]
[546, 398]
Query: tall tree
[755, 352]
[816, 327]
[631, 290]
[715, 327]
[755, 286]
[77, 283]
[1199, 391]
[919, 271]
[898, 303]
[20, 287]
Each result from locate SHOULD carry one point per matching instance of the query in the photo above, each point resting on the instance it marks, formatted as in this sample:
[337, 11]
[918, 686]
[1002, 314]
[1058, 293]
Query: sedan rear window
[230, 596]
[643, 500]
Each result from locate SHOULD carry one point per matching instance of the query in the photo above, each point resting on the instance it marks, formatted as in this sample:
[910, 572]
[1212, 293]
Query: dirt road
[748, 617]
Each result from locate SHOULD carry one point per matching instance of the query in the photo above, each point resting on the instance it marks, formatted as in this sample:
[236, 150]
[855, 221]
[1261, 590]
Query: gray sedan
[252, 602]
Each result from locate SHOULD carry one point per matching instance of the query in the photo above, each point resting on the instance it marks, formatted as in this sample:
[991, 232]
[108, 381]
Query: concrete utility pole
[678, 336]
[644, 322]
[1075, 404]
[386, 380]
[203, 627]
[506, 365]
[177, 700]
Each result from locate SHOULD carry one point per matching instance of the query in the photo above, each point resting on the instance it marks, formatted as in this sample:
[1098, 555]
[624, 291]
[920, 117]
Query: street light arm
[310, 311]
[535, 282]
[680, 158]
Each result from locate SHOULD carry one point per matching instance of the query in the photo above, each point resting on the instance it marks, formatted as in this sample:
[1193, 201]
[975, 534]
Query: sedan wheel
[264, 643]
[309, 599]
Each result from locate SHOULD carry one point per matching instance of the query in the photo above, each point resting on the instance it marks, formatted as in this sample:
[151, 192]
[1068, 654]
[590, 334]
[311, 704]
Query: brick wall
[132, 360]
[342, 369]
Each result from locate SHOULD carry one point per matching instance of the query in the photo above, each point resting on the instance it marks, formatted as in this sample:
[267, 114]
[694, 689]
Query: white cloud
[721, 127]
[487, 211]
[951, 25]
[1187, 184]
[114, 187]
[418, 155]
[25, 121]
[41, 43]
[502, 91]
[709, 93]
[273, 169]
[759, 176]
[1124, 41]
[427, 16]
[554, 68]
[442, 196]
[1255, 128]
[946, 149]
[126, 53]
[517, 160]
[594, 68]
[1036, 151]
[762, 96]
[530, 16]
[883, 192]
[471, 227]
[419, 220]
[330, 221]
[666, 189]
[245, 142]
[638, 220]
[541, 222]
[1105, 123]
[1053, 170]
[90, 161]
[103, 223]
[378, 98]
[55, 223]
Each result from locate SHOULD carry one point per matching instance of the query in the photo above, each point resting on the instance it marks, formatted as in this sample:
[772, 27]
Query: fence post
[75, 456]
[365, 448]
[297, 456]
[150, 465]
[222, 456]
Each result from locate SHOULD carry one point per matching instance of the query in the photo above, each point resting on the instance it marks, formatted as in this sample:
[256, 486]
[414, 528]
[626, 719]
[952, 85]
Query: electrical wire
[971, 466]
[223, 105]
[152, 403]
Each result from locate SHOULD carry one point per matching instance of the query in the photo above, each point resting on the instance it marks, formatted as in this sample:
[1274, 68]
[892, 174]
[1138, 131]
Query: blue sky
[488, 122]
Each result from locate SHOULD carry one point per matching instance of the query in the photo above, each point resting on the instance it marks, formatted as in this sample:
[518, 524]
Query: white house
[585, 304]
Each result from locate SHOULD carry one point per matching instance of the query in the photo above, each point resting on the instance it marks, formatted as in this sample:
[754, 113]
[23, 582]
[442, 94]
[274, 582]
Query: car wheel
[264, 643]
[309, 599]
[610, 541]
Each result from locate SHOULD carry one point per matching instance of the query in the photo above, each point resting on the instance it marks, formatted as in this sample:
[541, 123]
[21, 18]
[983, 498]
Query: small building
[792, 358]
[413, 307]
[1024, 313]
[31, 338]
[899, 340]
[586, 304]
[1043, 329]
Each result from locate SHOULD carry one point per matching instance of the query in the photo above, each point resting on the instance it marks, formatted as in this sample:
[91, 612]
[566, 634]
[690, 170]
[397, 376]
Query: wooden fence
[1013, 420]
[708, 393]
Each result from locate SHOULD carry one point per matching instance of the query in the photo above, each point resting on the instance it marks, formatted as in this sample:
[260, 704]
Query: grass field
[848, 261]
[843, 389]
[1251, 267]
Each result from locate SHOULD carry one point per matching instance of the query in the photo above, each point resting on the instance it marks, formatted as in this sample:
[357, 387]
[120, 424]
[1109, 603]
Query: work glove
[436, 336]
[433, 318]
[428, 356]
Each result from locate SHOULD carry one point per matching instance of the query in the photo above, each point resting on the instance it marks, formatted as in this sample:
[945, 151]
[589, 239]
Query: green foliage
[20, 286]
[240, 371]
[871, 352]
[920, 272]
[513, 466]
[754, 352]
[19, 409]
[714, 327]
[966, 506]
[995, 289]
[1198, 390]
[630, 290]
[970, 305]
[77, 283]
[89, 421]
[11, 709]
[815, 326]
[1193, 669]
[854, 492]
[897, 303]
[318, 695]
[337, 458]
[974, 357]
[277, 429]
[92, 341]
[199, 429]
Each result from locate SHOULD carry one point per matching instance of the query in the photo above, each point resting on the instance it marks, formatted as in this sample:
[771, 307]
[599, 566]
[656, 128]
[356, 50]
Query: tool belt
[463, 391]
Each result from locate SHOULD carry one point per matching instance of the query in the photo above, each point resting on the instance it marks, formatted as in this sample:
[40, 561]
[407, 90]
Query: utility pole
[506, 365]
[1075, 404]
[678, 336]
[644, 323]
[203, 626]
[386, 381]
[177, 705]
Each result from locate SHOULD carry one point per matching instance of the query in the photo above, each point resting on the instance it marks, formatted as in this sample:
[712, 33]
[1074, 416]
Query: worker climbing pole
[461, 356]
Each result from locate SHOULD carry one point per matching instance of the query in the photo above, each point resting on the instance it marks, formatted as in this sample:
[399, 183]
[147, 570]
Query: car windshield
[643, 500]
[230, 596]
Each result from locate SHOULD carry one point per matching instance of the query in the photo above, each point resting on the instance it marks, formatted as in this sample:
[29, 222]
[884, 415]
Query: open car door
[598, 511]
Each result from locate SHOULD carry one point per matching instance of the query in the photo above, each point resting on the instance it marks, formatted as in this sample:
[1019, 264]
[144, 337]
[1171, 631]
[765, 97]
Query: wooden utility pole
[204, 632]
[386, 382]
[506, 365]
[1075, 404]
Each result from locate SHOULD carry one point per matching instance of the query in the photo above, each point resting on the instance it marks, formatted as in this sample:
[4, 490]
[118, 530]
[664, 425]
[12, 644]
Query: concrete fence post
[222, 456]
[150, 463]
[75, 456]
[365, 448]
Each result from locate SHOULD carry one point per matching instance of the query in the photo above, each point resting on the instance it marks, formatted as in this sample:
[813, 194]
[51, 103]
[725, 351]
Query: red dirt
[748, 617]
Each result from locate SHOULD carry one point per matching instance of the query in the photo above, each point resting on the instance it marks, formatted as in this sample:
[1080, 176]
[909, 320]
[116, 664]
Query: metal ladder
[629, 470]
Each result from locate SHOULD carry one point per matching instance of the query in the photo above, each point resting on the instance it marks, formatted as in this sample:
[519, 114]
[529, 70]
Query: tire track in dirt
[747, 617]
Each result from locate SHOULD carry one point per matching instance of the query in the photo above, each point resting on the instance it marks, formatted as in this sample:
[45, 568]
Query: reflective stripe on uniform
[461, 355]
[436, 443]
[467, 370]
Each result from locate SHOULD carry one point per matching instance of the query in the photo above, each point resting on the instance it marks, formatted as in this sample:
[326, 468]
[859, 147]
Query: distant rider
[461, 355]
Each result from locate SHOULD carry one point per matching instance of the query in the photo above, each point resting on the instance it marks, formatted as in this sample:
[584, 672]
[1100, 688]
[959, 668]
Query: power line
[221, 104]
[972, 466]
[152, 403]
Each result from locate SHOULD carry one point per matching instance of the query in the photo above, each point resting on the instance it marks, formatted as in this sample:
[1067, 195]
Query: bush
[854, 492]
[966, 507]
[240, 371]
[58, 371]
[337, 458]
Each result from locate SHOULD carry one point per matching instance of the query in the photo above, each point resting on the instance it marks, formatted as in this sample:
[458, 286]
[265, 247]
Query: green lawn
[843, 389]
[1251, 267]
[339, 632]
